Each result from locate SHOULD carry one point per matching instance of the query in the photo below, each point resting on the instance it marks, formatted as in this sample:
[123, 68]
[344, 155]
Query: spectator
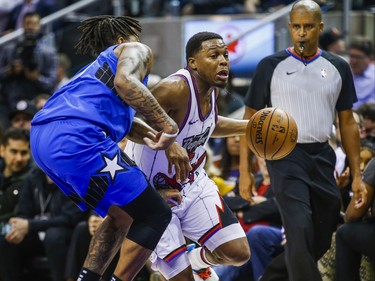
[356, 237]
[22, 114]
[27, 67]
[367, 111]
[15, 164]
[41, 7]
[361, 55]
[332, 41]
[43, 226]
[6, 6]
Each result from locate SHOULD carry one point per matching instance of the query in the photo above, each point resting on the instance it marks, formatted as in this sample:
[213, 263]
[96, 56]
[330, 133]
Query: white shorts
[204, 218]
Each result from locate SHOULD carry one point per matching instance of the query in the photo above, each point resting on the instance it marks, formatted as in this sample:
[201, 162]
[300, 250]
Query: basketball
[271, 133]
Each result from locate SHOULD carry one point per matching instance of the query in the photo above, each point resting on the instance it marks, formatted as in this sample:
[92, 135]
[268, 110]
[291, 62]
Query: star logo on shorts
[112, 166]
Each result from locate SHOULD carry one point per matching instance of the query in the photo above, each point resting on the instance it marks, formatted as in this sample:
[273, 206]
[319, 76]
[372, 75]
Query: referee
[312, 85]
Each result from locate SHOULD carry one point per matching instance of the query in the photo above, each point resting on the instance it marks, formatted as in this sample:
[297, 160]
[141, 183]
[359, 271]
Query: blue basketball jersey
[90, 95]
[74, 139]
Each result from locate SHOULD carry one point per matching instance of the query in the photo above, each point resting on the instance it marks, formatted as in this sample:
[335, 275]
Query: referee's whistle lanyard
[43, 204]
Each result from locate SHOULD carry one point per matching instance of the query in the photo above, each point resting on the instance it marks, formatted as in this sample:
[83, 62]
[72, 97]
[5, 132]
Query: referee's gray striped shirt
[310, 92]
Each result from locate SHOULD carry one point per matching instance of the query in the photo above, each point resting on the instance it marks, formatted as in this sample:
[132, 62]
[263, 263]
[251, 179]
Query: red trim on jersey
[175, 253]
[209, 233]
[309, 59]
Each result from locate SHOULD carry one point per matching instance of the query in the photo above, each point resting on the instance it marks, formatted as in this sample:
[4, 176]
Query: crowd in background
[46, 227]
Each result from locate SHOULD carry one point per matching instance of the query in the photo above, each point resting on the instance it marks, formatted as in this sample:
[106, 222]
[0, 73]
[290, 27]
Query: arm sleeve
[348, 94]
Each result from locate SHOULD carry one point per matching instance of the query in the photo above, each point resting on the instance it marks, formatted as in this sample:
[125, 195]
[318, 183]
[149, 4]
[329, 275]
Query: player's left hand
[359, 192]
[171, 196]
[177, 156]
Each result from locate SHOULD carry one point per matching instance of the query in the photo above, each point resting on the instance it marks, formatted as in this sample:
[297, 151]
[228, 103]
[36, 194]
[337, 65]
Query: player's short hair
[19, 134]
[101, 32]
[195, 42]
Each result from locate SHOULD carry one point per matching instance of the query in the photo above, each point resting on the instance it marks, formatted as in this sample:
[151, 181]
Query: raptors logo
[162, 181]
[236, 48]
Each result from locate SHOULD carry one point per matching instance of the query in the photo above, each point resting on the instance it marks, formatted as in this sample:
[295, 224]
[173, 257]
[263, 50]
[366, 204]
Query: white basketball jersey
[194, 133]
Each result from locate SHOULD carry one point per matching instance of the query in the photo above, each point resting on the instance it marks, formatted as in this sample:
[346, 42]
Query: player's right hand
[160, 141]
[178, 157]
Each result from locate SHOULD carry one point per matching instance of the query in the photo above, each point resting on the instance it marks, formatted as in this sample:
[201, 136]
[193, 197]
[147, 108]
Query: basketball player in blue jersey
[74, 140]
[189, 97]
[313, 86]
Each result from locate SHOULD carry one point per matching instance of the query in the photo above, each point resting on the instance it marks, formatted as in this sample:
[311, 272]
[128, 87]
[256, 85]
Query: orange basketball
[271, 133]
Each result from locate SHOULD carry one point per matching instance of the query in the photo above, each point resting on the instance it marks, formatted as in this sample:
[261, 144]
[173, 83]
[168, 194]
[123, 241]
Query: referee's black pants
[309, 203]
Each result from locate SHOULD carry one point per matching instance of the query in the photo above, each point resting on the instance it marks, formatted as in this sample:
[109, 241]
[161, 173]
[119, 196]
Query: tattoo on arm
[139, 97]
[132, 66]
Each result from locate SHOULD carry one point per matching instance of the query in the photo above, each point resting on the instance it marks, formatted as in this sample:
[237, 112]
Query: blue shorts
[88, 166]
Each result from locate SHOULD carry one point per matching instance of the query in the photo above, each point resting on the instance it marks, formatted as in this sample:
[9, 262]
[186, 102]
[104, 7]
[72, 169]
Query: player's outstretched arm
[134, 63]
[229, 127]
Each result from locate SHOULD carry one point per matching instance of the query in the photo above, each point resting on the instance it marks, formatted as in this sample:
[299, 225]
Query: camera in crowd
[24, 51]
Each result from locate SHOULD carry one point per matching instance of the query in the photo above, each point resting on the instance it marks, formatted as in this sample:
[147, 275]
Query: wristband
[171, 136]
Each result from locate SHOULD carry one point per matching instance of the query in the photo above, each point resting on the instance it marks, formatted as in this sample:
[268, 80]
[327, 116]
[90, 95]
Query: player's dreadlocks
[100, 32]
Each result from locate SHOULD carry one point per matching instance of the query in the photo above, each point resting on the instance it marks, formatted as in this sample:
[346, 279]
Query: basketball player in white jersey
[189, 97]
